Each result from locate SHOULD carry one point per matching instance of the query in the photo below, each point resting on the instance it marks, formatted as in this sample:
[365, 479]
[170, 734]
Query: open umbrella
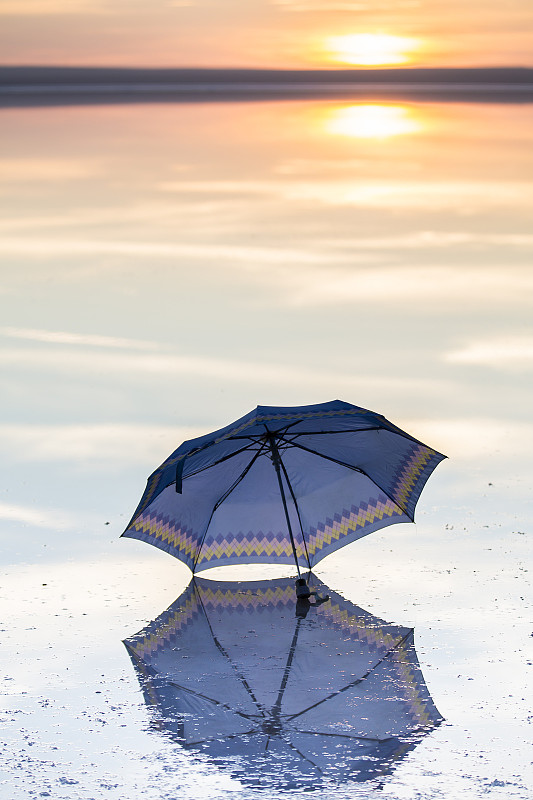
[278, 698]
[283, 485]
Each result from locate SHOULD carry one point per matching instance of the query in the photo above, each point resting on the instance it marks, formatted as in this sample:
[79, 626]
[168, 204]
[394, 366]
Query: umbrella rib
[353, 683]
[276, 461]
[341, 432]
[302, 755]
[239, 479]
[348, 466]
[276, 708]
[220, 461]
[345, 736]
[212, 700]
[224, 496]
[297, 509]
[224, 652]
[248, 437]
[321, 455]
[259, 436]
[218, 738]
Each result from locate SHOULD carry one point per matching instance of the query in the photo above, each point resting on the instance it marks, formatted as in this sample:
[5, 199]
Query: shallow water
[167, 268]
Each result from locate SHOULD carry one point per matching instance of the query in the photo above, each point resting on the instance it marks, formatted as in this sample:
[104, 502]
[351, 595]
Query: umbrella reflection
[279, 693]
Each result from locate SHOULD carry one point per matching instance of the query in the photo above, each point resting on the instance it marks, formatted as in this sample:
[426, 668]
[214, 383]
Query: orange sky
[263, 33]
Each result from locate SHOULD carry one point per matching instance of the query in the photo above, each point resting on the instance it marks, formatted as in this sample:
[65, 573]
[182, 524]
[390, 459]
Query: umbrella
[283, 485]
[278, 698]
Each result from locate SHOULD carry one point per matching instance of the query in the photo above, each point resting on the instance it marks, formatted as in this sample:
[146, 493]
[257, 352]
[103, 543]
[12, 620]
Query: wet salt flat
[167, 269]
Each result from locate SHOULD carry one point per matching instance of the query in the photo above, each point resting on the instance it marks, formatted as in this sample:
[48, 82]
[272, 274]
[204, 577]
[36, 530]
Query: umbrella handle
[303, 592]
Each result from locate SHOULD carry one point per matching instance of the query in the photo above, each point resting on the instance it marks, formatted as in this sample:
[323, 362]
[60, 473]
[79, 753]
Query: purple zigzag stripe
[367, 513]
[260, 544]
[161, 528]
[409, 472]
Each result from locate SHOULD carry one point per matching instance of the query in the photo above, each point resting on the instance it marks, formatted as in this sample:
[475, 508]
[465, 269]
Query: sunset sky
[267, 33]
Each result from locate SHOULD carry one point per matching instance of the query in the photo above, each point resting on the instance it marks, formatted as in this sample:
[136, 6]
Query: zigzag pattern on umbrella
[173, 622]
[161, 528]
[261, 544]
[377, 637]
[410, 472]
[167, 630]
[245, 600]
[359, 628]
[348, 521]
[419, 706]
[355, 626]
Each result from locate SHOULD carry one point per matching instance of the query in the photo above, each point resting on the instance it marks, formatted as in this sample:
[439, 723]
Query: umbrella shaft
[276, 460]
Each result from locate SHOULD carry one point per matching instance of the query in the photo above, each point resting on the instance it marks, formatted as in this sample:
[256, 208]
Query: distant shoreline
[29, 86]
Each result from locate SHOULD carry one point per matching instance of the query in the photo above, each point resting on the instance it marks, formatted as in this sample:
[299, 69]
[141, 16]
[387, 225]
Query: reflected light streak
[372, 121]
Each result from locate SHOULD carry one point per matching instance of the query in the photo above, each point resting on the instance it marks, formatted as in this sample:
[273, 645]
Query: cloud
[157, 363]
[430, 196]
[503, 352]
[21, 170]
[130, 444]
[92, 217]
[458, 284]
[332, 272]
[81, 363]
[429, 240]
[50, 7]
[138, 444]
[377, 194]
[472, 438]
[343, 5]
[230, 253]
[38, 517]
[65, 337]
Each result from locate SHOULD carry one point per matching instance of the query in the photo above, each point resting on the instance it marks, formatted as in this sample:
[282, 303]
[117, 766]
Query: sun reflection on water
[372, 121]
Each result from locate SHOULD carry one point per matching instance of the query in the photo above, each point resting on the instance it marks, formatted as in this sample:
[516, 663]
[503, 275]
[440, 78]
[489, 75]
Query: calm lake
[165, 269]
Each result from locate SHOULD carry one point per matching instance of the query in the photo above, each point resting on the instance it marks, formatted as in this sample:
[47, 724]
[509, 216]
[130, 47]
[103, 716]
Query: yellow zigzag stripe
[360, 627]
[364, 630]
[350, 523]
[256, 546]
[153, 482]
[168, 534]
[247, 599]
[180, 618]
[410, 475]
[378, 636]
[260, 546]
[410, 686]
[175, 622]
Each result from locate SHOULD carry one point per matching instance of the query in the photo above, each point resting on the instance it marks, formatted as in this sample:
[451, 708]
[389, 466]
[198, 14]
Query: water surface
[168, 267]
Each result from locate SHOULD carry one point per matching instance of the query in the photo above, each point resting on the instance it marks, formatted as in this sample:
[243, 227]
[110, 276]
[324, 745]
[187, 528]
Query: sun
[370, 49]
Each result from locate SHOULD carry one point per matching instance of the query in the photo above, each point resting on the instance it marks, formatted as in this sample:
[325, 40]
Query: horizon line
[244, 68]
[33, 85]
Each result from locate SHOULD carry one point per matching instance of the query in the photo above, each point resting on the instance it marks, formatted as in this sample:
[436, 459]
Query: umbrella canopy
[283, 485]
[279, 698]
